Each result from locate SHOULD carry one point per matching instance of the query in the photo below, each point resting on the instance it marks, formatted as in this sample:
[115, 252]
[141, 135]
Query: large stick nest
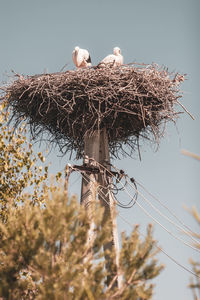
[131, 101]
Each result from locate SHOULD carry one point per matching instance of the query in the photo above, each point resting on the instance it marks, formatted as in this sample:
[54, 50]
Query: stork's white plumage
[115, 59]
[81, 57]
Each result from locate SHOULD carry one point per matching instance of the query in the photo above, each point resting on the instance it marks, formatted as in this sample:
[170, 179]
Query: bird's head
[76, 48]
[116, 51]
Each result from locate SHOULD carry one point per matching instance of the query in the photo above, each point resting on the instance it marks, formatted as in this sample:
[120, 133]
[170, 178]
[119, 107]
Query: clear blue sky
[38, 36]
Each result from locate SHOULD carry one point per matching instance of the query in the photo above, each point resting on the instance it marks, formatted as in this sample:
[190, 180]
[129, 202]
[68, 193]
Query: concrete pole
[91, 150]
[96, 147]
[108, 203]
[89, 184]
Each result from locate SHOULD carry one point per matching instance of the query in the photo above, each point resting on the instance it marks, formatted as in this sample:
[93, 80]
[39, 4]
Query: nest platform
[132, 101]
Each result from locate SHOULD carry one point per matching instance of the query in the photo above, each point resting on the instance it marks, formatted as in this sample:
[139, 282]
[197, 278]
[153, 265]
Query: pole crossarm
[95, 170]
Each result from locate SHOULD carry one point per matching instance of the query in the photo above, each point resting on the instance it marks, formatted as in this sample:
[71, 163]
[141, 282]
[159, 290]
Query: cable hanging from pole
[158, 247]
[169, 220]
[153, 218]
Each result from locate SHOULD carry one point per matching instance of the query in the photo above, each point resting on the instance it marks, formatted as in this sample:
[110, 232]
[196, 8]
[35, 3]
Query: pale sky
[39, 35]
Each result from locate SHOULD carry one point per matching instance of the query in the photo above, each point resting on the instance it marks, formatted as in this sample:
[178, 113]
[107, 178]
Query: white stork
[116, 58]
[81, 57]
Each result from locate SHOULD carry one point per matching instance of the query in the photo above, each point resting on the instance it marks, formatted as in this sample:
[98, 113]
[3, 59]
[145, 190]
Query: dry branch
[131, 101]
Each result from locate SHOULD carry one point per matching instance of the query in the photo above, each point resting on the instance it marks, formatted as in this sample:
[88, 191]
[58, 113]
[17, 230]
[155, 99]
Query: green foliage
[43, 255]
[44, 249]
[18, 169]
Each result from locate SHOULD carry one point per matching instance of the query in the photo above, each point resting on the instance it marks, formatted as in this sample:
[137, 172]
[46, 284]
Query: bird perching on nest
[81, 57]
[115, 59]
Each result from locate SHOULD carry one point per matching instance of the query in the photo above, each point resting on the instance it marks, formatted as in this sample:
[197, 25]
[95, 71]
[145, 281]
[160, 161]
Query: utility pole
[89, 183]
[96, 149]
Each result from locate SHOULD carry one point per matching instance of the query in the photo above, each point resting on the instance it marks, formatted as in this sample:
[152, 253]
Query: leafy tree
[18, 168]
[44, 253]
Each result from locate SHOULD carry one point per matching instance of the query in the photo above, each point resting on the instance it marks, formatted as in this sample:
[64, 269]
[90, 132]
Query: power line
[168, 219]
[145, 211]
[133, 201]
[163, 251]
[163, 215]
[128, 223]
[163, 205]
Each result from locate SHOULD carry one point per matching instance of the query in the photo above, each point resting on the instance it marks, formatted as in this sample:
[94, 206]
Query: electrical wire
[157, 210]
[168, 219]
[153, 218]
[163, 205]
[164, 216]
[88, 179]
[163, 251]
[75, 181]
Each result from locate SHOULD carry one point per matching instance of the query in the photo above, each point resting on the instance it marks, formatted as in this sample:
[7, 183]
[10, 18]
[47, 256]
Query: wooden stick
[185, 109]
[193, 155]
